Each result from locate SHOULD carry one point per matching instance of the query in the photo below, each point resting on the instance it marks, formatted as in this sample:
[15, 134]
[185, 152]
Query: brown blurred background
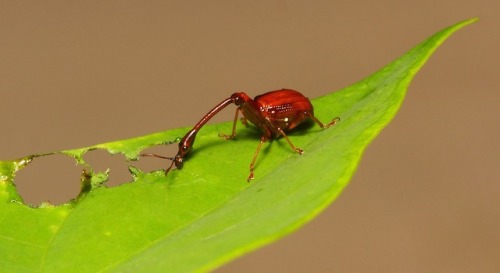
[426, 195]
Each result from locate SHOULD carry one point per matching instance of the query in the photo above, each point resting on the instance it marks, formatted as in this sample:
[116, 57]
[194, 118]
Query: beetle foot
[250, 176]
[227, 137]
[334, 121]
[298, 150]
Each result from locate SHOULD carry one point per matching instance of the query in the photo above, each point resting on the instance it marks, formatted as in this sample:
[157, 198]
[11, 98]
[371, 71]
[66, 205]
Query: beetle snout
[179, 162]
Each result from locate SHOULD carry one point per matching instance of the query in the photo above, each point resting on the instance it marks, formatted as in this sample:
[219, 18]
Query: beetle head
[240, 98]
[179, 158]
[185, 147]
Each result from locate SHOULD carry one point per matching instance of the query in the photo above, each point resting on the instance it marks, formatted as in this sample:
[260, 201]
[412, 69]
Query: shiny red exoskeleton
[274, 113]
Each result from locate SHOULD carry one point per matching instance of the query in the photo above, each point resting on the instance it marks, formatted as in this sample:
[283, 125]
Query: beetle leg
[244, 121]
[323, 126]
[298, 150]
[233, 133]
[252, 165]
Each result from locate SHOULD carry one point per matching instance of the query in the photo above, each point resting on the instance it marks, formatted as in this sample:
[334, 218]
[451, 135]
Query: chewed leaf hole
[54, 179]
[57, 178]
[102, 161]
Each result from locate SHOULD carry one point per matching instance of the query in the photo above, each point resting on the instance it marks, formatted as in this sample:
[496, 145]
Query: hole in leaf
[54, 179]
[102, 160]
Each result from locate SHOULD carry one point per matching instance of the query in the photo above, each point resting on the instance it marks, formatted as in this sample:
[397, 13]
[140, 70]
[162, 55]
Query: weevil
[273, 113]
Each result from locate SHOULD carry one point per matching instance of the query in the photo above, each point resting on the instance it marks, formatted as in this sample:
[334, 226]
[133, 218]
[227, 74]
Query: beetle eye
[185, 149]
[238, 100]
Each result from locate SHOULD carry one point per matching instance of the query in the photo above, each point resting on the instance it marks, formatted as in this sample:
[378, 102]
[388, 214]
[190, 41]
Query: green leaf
[196, 219]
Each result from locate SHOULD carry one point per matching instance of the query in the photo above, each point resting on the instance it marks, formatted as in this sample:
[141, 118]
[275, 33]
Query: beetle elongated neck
[186, 143]
[212, 113]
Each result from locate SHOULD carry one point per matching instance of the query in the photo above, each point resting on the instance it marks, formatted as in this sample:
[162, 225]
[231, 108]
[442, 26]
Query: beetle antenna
[162, 157]
[158, 156]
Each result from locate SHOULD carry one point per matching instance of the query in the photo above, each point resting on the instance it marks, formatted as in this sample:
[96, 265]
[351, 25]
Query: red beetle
[274, 113]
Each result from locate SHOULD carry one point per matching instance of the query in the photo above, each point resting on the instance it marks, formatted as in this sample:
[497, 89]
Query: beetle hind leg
[323, 126]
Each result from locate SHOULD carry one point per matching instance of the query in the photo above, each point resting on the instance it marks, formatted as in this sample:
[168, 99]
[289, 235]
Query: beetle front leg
[244, 121]
[233, 133]
[252, 165]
